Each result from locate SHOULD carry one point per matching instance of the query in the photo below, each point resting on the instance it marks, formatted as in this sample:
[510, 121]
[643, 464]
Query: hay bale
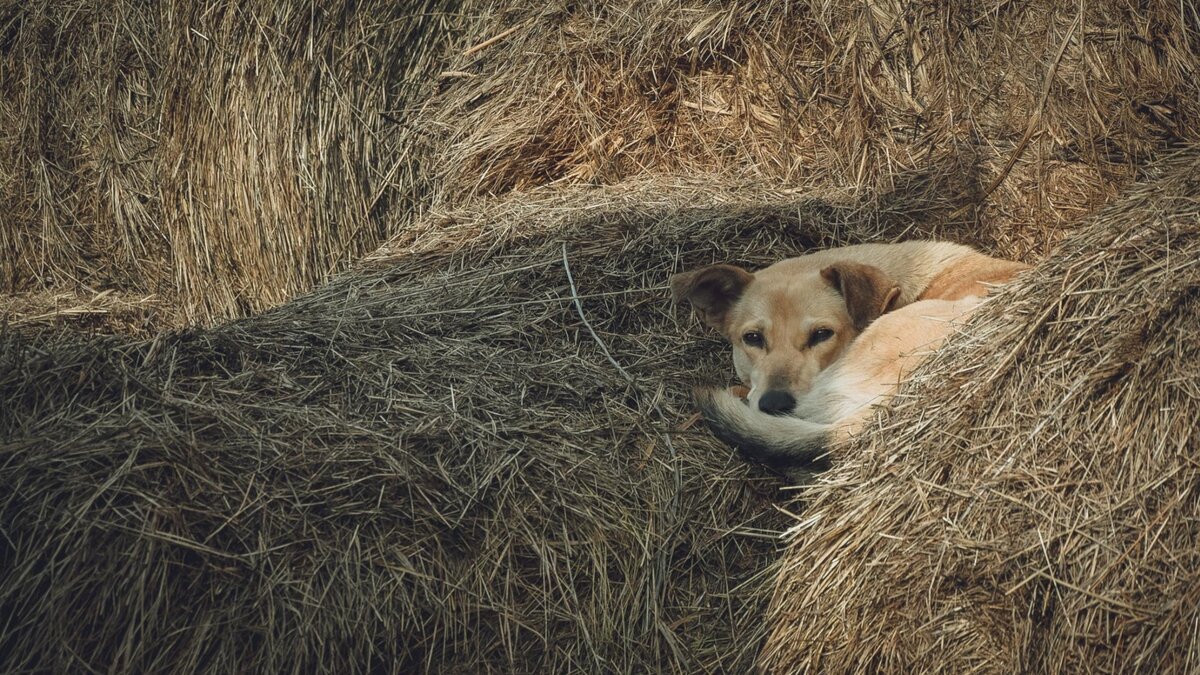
[429, 464]
[1031, 507]
[223, 156]
[1042, 110]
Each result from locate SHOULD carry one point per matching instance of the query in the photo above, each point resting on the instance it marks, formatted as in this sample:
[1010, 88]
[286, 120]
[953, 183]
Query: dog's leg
[777, 441]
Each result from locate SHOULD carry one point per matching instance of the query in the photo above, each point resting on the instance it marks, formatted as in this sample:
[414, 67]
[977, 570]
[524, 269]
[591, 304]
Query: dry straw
[1031, 504]
[429, 463]
[1040, 110]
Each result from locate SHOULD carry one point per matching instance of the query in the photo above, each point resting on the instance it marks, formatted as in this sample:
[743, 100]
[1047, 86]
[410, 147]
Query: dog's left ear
[869, 293]
[711, 290]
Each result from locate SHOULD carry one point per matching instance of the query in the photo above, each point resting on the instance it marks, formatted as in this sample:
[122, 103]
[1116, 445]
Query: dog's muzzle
[777, 402]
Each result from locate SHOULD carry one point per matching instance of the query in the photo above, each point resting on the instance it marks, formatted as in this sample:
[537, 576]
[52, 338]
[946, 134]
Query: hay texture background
[1032, 506]
[165, 166]
[351, 414]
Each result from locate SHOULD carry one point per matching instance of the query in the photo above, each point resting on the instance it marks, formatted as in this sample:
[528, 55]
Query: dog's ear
[712, 291]
[868, 292]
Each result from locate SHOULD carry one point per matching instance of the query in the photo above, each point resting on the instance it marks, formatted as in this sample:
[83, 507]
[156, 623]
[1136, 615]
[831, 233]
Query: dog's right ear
[868, 292]
[711, 290]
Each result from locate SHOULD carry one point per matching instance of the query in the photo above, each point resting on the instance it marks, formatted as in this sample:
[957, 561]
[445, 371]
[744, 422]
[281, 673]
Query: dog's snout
[777, 402]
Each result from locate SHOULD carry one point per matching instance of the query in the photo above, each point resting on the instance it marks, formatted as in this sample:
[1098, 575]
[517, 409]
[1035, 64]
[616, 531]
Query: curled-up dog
[822, 338]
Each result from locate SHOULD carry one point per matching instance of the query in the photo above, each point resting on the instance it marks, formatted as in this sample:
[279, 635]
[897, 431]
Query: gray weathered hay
[1034, 504]
[430, 464]
[222, 156]
[226, 156]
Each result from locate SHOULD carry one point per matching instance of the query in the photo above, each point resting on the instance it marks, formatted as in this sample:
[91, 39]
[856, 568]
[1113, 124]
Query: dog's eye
[819, 335]
[753, 339]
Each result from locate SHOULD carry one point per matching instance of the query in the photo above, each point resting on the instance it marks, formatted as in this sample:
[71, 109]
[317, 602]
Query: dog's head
[787, 322]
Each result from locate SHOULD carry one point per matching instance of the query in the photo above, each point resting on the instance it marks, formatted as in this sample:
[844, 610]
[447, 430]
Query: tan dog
[809, 340]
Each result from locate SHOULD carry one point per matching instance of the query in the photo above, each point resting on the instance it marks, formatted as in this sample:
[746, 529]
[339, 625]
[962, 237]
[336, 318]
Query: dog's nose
[777, 402]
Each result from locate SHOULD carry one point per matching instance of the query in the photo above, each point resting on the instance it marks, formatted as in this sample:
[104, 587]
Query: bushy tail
[778, 441]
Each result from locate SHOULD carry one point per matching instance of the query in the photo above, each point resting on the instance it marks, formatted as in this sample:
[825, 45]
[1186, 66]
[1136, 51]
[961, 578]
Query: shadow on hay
[426, 465]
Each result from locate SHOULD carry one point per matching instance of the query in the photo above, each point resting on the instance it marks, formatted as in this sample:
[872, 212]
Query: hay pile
[224, 159]
[429, 465]
[1033, 507]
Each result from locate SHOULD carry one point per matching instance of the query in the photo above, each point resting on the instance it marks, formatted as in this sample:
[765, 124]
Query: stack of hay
[432, 463]
[172, 163]
[227, 159]
[1031, 113]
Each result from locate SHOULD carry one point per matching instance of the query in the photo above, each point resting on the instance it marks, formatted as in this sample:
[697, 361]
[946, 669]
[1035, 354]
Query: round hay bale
[223, 156]
[1044, 109]
[426, 465]
[1031, 505]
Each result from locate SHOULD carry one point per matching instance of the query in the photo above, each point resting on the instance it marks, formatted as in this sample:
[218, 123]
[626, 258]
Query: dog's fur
[820, 338]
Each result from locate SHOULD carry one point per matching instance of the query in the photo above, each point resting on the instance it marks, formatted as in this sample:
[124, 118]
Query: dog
[821, 338]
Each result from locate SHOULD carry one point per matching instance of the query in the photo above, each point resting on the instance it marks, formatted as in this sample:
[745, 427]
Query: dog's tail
[778, 441]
